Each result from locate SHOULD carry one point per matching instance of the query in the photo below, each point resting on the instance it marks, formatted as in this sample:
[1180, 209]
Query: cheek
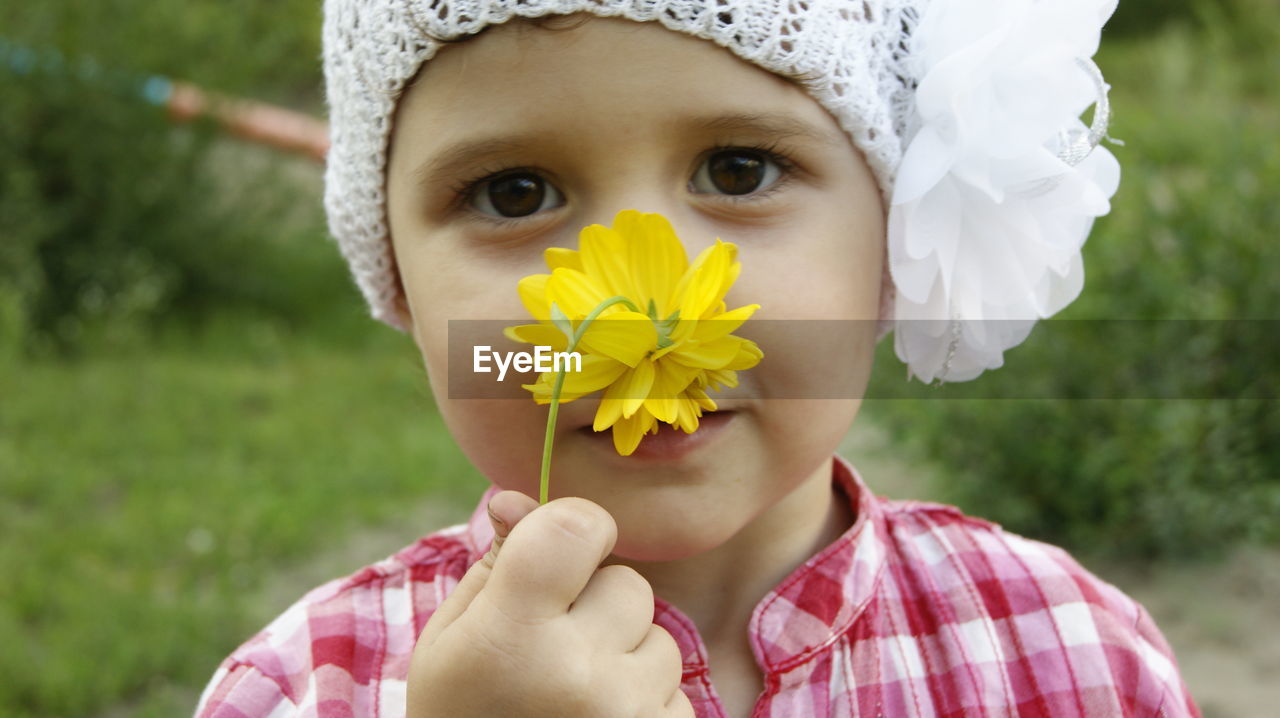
[820, 297]
[501, 437]
[825, 265]
[807, 429]
[841, 276]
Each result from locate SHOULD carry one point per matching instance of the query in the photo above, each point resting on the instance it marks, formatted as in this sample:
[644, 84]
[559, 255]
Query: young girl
[895, 164]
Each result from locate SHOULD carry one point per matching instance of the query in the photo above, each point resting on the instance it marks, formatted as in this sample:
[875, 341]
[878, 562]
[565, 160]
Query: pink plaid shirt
[917, 610]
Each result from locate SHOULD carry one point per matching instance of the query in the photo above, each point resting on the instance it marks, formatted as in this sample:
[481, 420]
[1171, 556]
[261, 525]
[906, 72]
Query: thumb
[506, 508]
[505, 511]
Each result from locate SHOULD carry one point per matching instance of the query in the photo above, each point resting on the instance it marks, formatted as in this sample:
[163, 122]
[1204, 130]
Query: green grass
[149, 494]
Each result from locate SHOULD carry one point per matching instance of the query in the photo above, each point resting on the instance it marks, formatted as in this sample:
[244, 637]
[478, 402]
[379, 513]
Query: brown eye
[515, 195]
[734, 172]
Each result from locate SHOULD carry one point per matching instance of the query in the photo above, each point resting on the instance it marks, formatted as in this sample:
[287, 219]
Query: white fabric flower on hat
[989, 213]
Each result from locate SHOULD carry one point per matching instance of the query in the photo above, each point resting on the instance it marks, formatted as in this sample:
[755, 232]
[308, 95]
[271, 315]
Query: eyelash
[771, 150]
[462, 191]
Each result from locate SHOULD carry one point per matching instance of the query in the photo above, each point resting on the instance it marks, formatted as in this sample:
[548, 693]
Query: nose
[693, 229]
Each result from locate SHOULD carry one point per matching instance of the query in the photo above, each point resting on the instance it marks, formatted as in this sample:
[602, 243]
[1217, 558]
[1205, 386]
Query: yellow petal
[699, 397]
[625, 336]
[542, 335]
[687, 417]
[704, 285]
[636, 385]
[656, 257]
[748, 355]
[597, 373]
[610, 409]
[708, 355]
[670, 380]
[541, 394]
[726, 377]
[574, 292]
[722, 323]
[545, 385]
[557, 257]
[731, 273]
[533, 294]
[732, 249]
[604, 259]
[628, 432]
[542, 388]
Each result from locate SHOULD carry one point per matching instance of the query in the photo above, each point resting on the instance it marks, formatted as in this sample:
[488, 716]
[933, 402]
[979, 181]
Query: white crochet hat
[975, 102]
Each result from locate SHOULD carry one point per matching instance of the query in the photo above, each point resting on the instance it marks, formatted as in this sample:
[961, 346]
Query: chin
[668, 539]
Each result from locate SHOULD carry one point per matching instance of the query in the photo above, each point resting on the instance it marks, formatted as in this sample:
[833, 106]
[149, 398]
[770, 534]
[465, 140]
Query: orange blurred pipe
[255, 121]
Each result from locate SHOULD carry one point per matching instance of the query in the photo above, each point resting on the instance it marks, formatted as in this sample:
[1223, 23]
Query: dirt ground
[1222, 619]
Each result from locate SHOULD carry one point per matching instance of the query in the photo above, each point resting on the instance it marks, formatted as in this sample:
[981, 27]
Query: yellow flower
[664, 340]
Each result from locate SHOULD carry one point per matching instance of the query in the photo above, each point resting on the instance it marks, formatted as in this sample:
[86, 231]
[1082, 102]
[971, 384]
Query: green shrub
[270, 51]
[115, 219]
[1135, 18]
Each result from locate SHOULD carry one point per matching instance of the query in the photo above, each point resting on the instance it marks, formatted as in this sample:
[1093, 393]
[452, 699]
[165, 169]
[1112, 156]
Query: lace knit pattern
[855, 53]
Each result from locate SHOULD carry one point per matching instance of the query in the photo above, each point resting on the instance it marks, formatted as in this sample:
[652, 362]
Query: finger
[660, 662]
[678, 706]
[548, 558]
[617, 603]
[506, 509]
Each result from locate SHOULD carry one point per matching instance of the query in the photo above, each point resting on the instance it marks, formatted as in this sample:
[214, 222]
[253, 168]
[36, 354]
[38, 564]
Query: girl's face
[512, 141]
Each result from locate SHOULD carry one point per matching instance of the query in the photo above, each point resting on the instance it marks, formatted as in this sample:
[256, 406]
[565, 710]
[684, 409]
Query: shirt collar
[811, 608]
[817, 602]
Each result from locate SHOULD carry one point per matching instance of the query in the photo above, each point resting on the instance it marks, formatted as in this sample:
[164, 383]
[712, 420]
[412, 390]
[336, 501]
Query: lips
[581, 414]
[669, 443]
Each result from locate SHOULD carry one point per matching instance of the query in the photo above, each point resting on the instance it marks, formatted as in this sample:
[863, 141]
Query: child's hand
[543, 631]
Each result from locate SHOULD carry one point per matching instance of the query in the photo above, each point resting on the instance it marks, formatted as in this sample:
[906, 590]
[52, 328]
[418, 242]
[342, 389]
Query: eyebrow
[466, 154]
[779, 125]
[469, 153]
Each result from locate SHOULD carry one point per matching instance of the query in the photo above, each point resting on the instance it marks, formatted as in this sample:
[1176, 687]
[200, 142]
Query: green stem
[544, 480]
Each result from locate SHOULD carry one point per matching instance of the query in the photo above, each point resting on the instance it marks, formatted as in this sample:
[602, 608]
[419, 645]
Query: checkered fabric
[917, 610]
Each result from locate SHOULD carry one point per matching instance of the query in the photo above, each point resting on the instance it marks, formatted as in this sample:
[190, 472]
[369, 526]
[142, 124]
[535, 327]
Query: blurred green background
[192, 398]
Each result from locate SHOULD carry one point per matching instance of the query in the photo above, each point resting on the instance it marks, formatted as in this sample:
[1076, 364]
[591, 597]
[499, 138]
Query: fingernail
[499, 522]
